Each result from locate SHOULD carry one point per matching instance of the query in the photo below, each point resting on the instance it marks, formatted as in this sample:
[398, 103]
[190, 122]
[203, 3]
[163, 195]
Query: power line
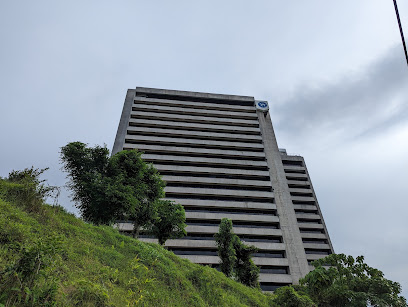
[400, 28]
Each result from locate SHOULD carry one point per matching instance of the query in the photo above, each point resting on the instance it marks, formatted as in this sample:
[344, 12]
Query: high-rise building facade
[219, 157]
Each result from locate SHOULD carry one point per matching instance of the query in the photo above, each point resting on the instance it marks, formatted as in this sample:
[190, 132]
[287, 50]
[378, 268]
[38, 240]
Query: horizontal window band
[309, 221]
[186, 126]
[210, 175]
[299, 186]
[291, 162]
[293, 171]
[317, 252]
[199, 152]
[260, 213]
[304, 202]
[248, 224]
[179, 143]
[177, 134]
[207, 164]
[307, 230]
[218, 186]
[194, 119]
[249, 102]
[185, 179]
[301, 194]
[235, 210]
[274, 270]
[213, 252]
[306, 211]
[297, 177]
[218, 197]
[141, 107]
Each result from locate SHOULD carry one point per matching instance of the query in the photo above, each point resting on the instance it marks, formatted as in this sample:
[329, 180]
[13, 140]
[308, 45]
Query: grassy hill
[49, 257]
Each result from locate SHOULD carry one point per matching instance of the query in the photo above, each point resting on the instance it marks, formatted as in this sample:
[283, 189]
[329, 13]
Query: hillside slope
[50, 257]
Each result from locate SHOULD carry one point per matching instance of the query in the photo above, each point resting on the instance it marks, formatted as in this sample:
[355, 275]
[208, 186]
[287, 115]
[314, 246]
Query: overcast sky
[334, 74]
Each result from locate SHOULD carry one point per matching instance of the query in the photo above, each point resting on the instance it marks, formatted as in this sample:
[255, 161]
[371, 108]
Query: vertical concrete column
[124, 122]
[296, 256]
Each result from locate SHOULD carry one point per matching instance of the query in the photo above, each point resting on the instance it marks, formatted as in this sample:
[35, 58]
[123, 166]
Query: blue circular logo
[262, 104]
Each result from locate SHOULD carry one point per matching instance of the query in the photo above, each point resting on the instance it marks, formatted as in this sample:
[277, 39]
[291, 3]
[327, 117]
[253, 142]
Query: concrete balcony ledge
[299, 182]
[212, 170]
[216, 260]
[233, 217]
[278, 278]
[317, 246]
[218, 192]
[304, 207]
[293, 167]
[189, 94]
[211, 244]
[295, 176]
[300, 190]
[303, 198]
[186, 141]
[195, 105]
[308, 216]
[313, 235]
[310, 226]
[292, 158]
[266, 246]
[208, 204]
[203, 160]
[194, 119]
[194, 134]
[149, 122]
[192, 111]
[216, 181]
[197, 151]
[237, 230]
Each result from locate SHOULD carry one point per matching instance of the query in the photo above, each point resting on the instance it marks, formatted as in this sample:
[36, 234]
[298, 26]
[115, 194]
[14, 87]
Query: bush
[25, 189]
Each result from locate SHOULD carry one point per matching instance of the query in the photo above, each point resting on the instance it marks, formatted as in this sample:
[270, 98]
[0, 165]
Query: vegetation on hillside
[49, 257]
[121, 187]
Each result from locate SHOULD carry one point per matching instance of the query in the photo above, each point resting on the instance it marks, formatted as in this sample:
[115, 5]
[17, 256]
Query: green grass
[50, 257]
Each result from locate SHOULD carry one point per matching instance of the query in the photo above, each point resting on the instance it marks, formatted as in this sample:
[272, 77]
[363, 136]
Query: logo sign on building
[262, 105]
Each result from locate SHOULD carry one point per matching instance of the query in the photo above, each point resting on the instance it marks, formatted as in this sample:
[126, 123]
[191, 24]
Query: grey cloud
[361, 103]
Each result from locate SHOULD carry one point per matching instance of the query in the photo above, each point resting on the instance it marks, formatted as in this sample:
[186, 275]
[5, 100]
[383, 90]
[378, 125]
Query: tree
[235, 256]
[348, 282]
[288, 297]
[169, 222]
[137, 187]
[107, 189]
[224, 239]
[245, 269]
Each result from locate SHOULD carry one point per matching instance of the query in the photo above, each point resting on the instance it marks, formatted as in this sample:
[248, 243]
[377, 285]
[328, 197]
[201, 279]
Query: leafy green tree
[224, 239]
[340, 280]
[110, 188]
[289, 297]
[236, 256]
[137, 187]
[169, 222]
[86, 168]
[245, 269]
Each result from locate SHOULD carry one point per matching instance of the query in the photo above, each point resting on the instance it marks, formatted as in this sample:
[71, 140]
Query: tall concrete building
[219, 157]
